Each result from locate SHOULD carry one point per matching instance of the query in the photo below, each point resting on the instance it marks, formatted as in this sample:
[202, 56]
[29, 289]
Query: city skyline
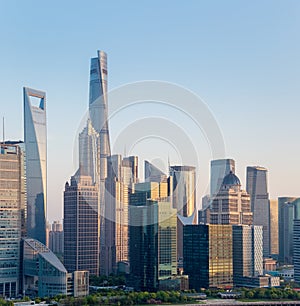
[249, 80]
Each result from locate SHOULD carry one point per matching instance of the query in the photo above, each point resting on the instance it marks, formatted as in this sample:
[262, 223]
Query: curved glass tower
[98, 107]
[35, 138]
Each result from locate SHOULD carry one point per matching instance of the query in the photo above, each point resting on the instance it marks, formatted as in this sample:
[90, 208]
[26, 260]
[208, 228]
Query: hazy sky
[241, 57]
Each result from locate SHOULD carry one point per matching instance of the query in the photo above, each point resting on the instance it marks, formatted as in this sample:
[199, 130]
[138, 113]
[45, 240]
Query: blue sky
[241, 57]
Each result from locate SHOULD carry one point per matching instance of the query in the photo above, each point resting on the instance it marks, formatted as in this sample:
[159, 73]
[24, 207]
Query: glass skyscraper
[219, 168]
[184, 189]
[35, 137]
[258, 189]
[288, 211]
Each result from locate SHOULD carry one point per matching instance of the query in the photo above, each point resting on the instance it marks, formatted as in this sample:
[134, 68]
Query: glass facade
[257, 187]
[143, 249]
[208, 258]
[44, 274]
[167, 240]
[12, 213]
[219, 168]
[184, 189]
[288, 210]
[35, 136]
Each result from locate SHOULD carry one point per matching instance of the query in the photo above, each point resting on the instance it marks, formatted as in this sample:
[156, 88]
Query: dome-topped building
[231, 179]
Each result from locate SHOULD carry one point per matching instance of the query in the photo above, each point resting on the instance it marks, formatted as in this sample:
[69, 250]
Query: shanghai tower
[98, 115]
[98, 107]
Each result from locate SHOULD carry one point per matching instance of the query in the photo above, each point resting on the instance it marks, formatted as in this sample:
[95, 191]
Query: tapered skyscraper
[35, 136]
[98, 107]
[257, 187]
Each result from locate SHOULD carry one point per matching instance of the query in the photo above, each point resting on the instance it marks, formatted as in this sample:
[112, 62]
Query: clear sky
[241, 57]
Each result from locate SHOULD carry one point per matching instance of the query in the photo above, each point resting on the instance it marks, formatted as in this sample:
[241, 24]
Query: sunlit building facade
[231, 205]
[35, 137]
[274, 244]
[208, 256]
[184, 189]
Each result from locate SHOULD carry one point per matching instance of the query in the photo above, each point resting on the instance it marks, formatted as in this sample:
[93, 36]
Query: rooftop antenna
[125, 155]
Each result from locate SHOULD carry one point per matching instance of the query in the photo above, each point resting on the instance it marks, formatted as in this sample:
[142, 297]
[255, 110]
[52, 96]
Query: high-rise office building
[274, 227]
[98, 110]
[208, 257]
[35, 136]
[12, 214]
[296, 253]
[152, 233]
[288, 211]
[231, 205]
[132, 163]
[247, 253]
[154, 174]
[258, 189]
[56, 238]
[98, 107]
[184, 189]
[219, 168]
[81, 225]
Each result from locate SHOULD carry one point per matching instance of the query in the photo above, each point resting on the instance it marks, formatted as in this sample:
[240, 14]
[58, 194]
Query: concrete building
[56, 238]
[231, 205]
[257, 187]
[35, 138]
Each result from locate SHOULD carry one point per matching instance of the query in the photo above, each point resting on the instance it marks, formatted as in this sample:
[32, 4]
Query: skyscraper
[296, 251]
[12, 213]
[219, 168]
[184, 189]
[258, 189]
[207, 253]
[288, 211]
[81, 225]
[98, 107]
[231, 205]
[274, 227]
[152, 232]
[35, 136]
[154, 174]
[89, 152]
